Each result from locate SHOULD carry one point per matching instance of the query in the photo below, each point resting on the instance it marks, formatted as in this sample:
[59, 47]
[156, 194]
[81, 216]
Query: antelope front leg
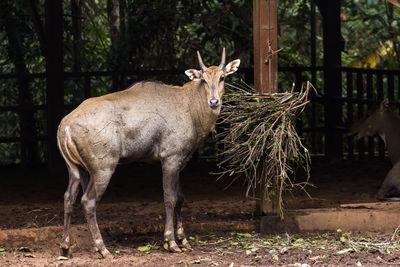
[170, 186]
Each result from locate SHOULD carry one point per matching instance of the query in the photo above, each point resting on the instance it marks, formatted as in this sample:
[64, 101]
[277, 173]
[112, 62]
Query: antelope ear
[232, 66]
[193, 74]
[384, 105]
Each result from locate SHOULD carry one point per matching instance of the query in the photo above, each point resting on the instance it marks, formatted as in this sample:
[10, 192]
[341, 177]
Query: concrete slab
[381, 217]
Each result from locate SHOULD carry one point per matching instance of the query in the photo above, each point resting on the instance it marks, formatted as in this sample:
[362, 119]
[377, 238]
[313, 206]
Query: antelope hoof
[65, 250]
[185, 244]
[173, 247]
[106, 254]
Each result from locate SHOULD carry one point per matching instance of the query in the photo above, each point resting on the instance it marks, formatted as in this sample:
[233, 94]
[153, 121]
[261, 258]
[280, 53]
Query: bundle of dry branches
[260, 140]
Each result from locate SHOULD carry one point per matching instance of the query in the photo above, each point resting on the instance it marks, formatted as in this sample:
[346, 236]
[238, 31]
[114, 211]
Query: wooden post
[265, 34]
[54, 77]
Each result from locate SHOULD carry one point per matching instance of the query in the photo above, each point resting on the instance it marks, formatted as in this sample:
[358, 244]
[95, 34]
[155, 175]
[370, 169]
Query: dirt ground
[33, 199]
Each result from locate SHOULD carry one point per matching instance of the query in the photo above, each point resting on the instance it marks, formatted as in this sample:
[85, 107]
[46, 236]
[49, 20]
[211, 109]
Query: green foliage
[370, 28]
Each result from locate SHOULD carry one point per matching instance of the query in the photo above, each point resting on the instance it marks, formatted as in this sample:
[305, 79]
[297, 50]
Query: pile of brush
[259, 139]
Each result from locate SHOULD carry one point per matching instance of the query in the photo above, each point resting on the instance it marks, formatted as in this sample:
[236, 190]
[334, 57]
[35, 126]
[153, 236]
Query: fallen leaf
[29, 255]
[146, 248]
[165, 246]
[2, 250]
[244, 235]
[273, 252]
[283, 250]
[62, 258]
[257, 258]
[232, 264]
[358, 263]
[344, 251]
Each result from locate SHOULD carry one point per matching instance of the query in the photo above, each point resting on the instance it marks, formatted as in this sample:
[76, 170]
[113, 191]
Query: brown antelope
[386, 124]
[150, 121]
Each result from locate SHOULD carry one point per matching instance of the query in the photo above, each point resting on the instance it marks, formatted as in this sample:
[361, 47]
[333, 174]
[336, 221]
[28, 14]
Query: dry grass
[260, 140]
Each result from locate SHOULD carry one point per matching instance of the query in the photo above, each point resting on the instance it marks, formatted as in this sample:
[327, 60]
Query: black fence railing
[362, 89]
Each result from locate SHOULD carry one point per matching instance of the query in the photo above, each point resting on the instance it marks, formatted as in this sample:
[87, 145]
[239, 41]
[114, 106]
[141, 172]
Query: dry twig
[260, 140]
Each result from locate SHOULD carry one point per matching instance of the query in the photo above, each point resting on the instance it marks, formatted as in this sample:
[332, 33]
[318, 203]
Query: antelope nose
[213, 102]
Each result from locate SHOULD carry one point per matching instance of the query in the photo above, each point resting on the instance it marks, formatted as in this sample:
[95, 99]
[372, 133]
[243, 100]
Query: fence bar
[360, 113]
[370, 95]
[297, 88]
[379, 86]
[350, 120]
[87, 87]
[390, 87]
[398, 92]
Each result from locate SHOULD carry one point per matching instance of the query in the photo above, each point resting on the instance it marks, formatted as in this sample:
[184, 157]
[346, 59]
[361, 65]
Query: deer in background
[148, 122]
[386, 124]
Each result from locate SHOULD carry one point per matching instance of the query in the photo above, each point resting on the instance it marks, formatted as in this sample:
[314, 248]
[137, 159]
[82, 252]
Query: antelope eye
[222, 78]
[203, 80]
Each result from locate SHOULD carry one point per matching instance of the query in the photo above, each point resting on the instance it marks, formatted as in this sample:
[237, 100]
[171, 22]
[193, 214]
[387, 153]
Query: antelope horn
[202, 66]
[222, 65]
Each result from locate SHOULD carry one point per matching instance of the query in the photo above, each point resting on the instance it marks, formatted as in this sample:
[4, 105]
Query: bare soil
[31, 199]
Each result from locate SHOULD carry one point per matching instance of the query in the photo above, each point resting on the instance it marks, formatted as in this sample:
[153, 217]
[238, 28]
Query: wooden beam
[54, 77]
[265, 32]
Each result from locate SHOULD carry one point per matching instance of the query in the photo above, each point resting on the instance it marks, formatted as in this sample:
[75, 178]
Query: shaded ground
[31, 199]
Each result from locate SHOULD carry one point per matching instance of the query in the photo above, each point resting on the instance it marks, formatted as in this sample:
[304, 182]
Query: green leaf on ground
[146, 248]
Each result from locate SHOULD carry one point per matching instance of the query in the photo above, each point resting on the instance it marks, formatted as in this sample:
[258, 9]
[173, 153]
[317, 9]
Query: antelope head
[373, 124]
[213, 78]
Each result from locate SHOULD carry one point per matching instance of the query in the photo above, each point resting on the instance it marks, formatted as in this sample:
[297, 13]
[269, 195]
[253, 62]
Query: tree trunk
[29, 149]
[113, 15]
[38, 25]
[76, 11]
[54, 78]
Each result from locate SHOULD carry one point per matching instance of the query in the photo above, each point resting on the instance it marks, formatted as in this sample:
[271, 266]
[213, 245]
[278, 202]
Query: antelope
[386, 124]
[148, 122]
